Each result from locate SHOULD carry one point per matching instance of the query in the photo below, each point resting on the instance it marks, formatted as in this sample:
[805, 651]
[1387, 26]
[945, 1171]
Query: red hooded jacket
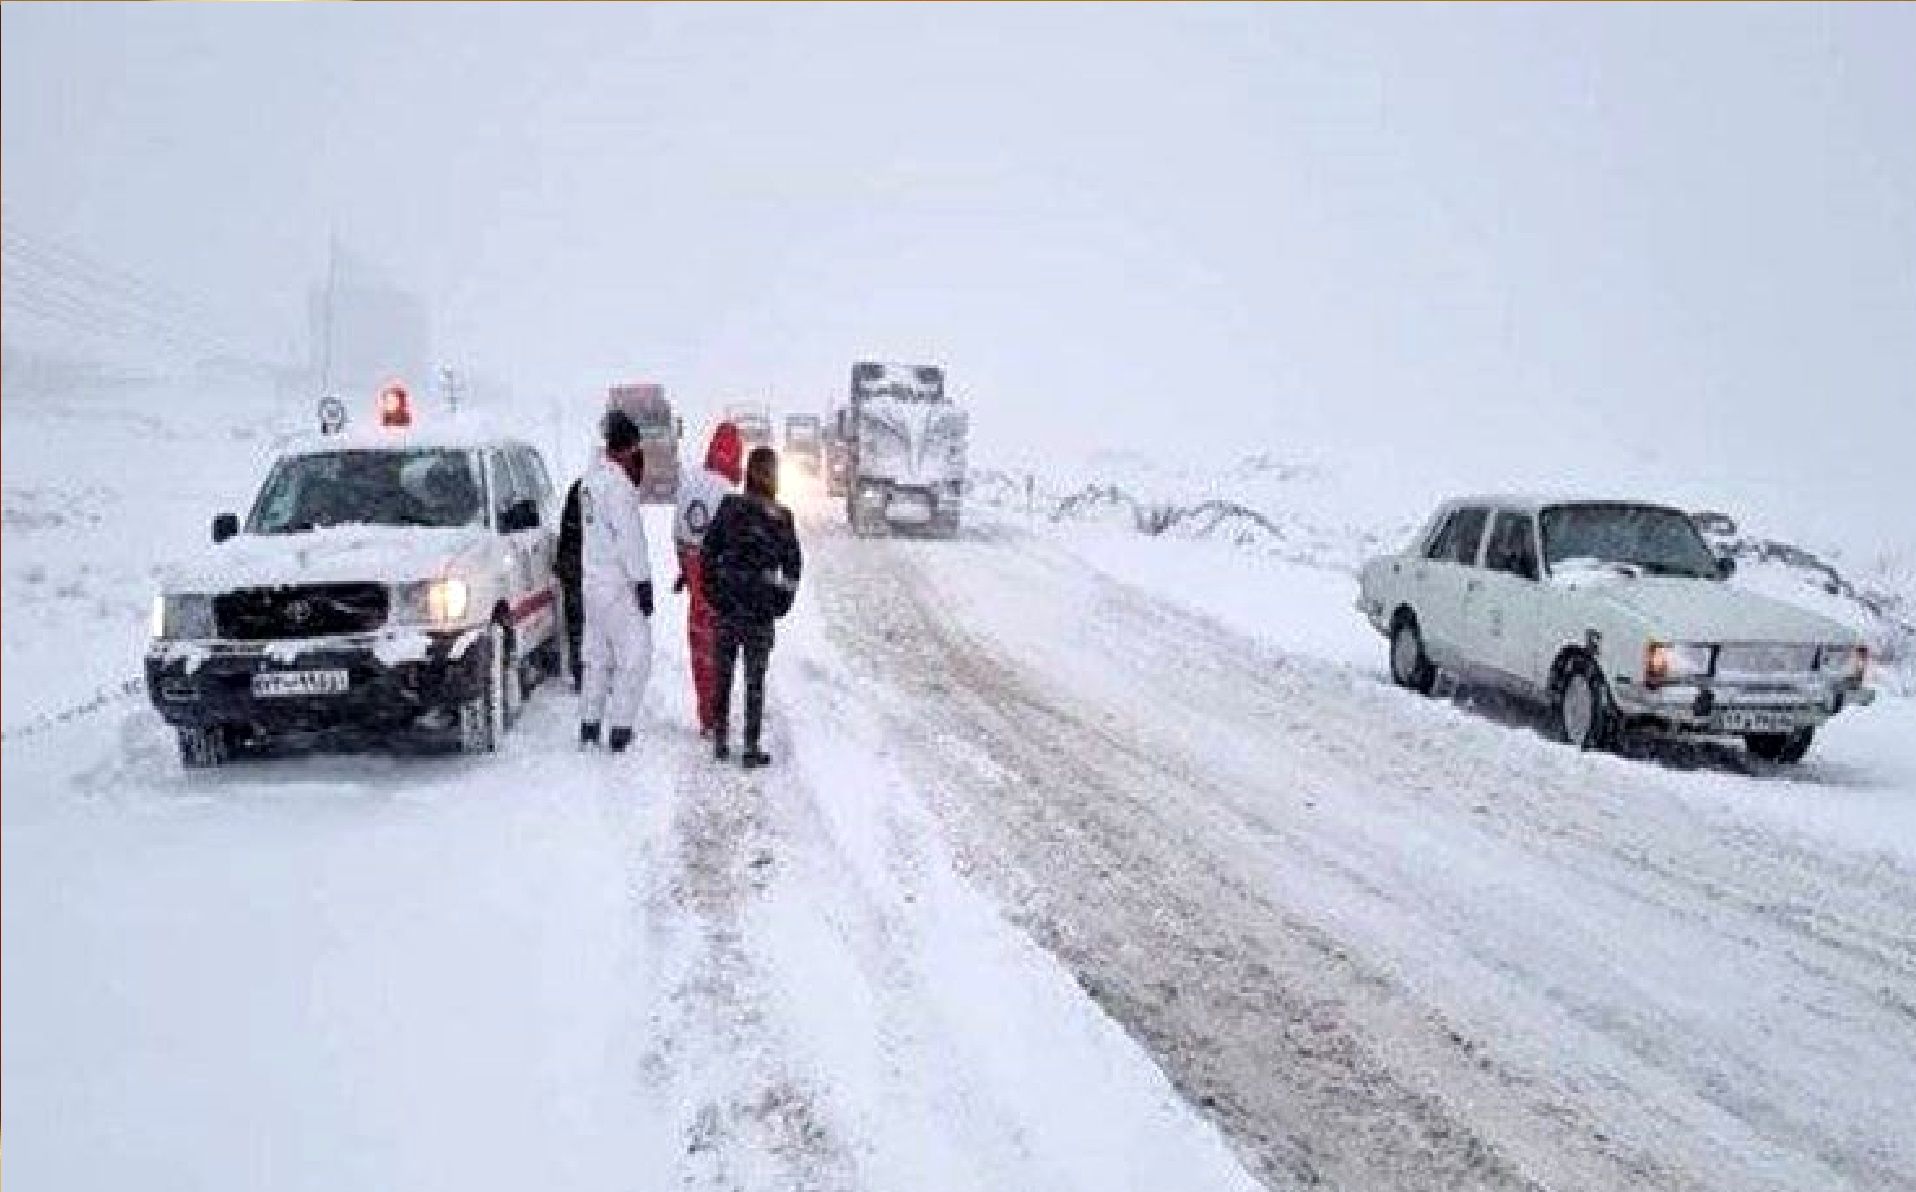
[726, 453]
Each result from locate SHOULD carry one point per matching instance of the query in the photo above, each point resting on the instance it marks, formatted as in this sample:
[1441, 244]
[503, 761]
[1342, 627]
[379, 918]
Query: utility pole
[449, 385]
[326, 342]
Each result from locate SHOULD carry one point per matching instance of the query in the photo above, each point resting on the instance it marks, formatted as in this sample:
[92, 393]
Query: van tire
[484, 717]
[1783, 748]
[205, 748]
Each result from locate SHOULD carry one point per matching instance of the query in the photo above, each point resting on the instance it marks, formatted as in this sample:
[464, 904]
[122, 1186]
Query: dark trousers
[574, 602]
[754, 640]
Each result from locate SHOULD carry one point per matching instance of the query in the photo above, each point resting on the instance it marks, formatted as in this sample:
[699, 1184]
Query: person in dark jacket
[751, 569]
[568, 564]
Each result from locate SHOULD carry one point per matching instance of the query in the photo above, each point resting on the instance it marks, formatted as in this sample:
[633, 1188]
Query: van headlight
[1676, 662]
[184, 616]
[443, 601]
[1851, 662]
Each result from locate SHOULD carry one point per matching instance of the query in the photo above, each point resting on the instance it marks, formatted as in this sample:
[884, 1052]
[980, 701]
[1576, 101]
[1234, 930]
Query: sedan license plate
[1746, 720]
[284, 684]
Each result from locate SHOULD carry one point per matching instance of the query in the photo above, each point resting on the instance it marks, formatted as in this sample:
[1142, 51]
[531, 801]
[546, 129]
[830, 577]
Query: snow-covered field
[1092, 859]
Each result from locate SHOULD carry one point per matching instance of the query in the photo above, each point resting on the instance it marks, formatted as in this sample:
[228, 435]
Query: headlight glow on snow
[431, 602]
[446, 600]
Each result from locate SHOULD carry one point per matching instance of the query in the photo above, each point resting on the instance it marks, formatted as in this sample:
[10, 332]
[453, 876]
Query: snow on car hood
[1701, 610]
[338, 554]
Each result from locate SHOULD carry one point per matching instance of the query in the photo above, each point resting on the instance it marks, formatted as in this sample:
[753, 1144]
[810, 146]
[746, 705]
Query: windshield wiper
[1672, 569]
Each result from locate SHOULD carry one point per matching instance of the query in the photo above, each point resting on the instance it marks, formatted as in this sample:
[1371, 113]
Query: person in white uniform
[616, 584]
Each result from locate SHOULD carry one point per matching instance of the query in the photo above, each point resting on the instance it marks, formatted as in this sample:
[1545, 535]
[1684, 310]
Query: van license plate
[912, 508]
[282, 684]
[1744, 720]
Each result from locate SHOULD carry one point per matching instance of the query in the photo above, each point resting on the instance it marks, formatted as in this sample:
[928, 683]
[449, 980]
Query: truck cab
[838, 451]
[660, 430]
[754, 423]
[907, 450]
[804, 449]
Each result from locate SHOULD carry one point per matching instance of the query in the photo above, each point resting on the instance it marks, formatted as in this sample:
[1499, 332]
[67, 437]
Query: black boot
[754, 757]
[619, 739]
[721, 747]
[588, 734]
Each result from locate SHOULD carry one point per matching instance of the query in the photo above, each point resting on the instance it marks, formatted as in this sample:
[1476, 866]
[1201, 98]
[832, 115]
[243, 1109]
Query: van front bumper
[391, 679]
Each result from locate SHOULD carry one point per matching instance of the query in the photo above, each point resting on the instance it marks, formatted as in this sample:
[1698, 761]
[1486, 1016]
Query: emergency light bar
[395, 406]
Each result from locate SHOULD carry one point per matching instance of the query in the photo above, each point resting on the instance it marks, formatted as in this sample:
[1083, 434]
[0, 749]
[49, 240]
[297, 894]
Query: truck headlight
[1667, 662]
[182, 616]
[442, 601]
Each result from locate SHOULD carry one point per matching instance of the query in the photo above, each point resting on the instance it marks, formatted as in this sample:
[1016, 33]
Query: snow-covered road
[1390, 943]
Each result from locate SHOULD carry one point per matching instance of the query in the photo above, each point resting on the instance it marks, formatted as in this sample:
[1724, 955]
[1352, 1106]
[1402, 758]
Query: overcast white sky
[1676, 240]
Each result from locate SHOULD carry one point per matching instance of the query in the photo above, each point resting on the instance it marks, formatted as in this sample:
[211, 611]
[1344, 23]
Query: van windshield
[431, 487]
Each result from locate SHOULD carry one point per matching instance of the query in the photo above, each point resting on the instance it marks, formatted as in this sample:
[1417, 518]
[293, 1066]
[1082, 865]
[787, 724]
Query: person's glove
[643, 589]
[678, 585]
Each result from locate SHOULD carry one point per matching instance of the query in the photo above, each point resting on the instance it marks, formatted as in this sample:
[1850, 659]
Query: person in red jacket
[699, 497]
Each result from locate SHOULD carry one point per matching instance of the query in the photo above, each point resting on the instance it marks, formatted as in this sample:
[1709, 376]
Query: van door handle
[1475, 585]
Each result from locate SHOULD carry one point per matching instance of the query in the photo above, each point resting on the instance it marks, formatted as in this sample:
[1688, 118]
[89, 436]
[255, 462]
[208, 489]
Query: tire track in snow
[1212, 1003]
[748, 1119]
[102, 699]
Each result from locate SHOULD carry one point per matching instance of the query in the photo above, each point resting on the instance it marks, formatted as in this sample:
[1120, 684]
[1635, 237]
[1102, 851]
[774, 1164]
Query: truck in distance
[659, 431]
[906, 451]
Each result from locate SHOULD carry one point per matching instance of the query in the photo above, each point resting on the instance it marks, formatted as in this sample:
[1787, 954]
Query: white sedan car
[1613, 613]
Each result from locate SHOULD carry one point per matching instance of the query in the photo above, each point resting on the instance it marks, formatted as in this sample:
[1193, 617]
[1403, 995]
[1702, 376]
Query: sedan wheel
[1409, 667]
[1585, 717]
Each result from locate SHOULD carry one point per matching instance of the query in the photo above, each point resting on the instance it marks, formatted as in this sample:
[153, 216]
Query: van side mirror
[520, 515]
[225, 526]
